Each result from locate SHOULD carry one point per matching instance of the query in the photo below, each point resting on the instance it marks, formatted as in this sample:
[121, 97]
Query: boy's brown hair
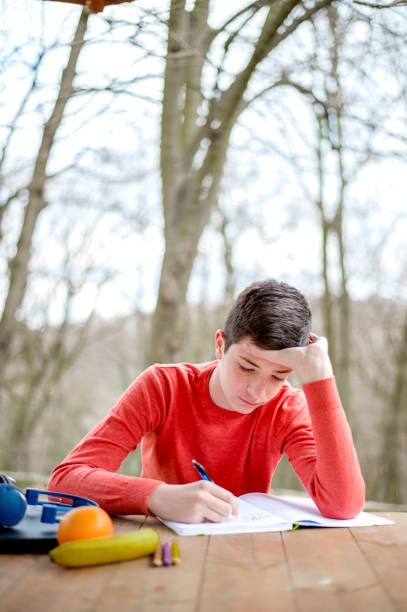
[273, 314]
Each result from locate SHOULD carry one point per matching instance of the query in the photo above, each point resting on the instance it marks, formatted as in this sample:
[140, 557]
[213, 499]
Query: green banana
[108, 549]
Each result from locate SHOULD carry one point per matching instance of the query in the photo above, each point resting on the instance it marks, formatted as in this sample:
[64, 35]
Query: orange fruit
[84, 522]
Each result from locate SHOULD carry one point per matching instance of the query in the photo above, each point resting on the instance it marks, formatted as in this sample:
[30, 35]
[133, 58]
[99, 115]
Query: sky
[288, 246]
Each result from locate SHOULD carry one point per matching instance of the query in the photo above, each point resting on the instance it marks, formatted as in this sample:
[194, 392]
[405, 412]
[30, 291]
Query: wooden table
[304, 570]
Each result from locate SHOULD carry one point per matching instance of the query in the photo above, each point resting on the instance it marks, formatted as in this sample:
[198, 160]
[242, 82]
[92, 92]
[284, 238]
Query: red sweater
[169, 409]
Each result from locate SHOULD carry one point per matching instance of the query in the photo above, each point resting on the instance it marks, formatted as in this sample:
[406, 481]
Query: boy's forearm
[337, 481]
[318, 368]
[115, 493]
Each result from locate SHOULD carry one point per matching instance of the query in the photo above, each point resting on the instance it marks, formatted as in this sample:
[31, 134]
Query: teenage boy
[237, 416]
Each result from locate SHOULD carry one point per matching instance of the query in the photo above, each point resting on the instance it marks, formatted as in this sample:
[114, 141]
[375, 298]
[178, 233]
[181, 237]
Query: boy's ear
[219, 343]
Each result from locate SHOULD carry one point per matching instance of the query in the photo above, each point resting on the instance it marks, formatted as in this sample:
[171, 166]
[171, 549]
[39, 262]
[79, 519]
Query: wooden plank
[329, 572]
[139, 585]
[246, 572]
[42, 585]
[305, 570]
[385, 548]
[48, 587]
[128, 523]
[12, 567]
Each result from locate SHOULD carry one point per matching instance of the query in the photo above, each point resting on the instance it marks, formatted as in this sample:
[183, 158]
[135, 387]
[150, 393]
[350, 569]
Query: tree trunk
[19, 265]
[182, 239]
[194, 147]
[395, 427]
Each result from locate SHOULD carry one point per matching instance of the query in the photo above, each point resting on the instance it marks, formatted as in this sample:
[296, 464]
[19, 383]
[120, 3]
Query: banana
[109, 549]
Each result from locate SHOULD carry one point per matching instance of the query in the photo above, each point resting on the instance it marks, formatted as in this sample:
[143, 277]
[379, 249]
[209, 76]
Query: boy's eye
[246, 369]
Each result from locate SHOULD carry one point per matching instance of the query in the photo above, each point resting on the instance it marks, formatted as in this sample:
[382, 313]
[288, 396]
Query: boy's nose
[258, 391]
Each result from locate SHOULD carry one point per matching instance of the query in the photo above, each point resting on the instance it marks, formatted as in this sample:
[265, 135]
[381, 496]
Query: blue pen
[205, 476]
[201, 471]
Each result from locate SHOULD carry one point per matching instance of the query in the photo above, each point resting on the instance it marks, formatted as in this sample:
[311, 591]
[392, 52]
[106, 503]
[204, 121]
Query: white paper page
[249, 513]
[304, 511]
[251, 519]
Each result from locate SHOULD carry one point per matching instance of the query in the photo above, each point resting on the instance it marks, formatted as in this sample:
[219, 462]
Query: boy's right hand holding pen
[194, 502]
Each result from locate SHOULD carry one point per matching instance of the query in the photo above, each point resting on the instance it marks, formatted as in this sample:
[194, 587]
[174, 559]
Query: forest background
[158, 157]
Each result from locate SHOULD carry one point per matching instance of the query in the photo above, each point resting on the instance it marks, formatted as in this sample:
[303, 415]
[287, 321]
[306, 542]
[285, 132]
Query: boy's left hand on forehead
[293, 357]
[282, 357]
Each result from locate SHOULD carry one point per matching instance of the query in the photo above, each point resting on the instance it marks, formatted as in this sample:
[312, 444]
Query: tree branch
[392, 4]
[18, 266]
[173, 85]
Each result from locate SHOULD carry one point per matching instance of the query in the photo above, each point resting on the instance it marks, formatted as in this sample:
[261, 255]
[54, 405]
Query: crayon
[166, 554]
[176, 557]
[157, 559]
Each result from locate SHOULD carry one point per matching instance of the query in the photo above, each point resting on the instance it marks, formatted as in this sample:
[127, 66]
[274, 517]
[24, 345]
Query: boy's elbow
[59, 479]
[342, 502]
[347, 505]
[55, 485]
[346, 511]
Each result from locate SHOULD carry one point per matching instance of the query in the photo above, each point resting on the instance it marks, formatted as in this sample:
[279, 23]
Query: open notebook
[261, 512]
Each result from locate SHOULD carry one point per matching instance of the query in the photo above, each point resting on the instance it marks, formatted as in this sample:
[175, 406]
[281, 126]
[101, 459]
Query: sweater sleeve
[320, 448]
[90, 469]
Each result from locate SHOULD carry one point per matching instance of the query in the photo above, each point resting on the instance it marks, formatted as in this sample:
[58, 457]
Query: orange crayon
[157, 559]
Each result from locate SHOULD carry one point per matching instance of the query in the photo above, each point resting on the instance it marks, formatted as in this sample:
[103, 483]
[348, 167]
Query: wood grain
[308, 570]
[328, 572]
[175, 588]
[385, 549]
[246, 572]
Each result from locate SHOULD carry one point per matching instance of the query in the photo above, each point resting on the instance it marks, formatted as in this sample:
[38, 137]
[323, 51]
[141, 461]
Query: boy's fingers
[218, 510]
[216, 490]
[324, 342]
[222, 502]
[214, 517]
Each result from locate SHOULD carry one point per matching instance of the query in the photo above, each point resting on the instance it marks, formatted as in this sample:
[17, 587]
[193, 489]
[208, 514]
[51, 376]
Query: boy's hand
[192, 503]
[311, 362]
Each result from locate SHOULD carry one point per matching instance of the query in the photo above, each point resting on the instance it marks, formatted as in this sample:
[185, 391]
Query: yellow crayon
[176, 557]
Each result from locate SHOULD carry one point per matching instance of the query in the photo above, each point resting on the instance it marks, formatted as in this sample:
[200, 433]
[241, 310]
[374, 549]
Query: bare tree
[382, 369]
[18, 266]
[329, 104]
[67, 204]
[393, 448]
[336, 136]
[377, 5]
[198, 116]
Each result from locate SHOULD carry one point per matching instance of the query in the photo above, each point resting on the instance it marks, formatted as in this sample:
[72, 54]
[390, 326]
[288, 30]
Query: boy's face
[242, 383]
